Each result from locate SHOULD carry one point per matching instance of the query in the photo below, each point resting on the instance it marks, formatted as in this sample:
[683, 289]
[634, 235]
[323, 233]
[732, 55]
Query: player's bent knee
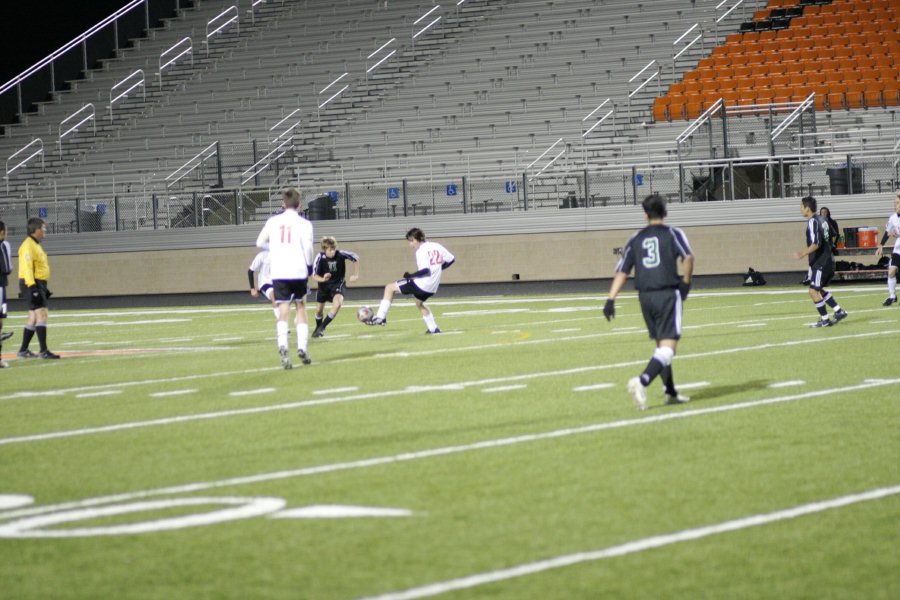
[664, 355]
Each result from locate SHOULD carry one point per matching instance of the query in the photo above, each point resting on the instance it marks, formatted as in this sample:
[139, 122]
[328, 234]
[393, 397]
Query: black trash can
[837, 178]
[321, 209]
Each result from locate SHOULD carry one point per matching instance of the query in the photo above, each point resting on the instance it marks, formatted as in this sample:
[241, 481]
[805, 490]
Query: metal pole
[525, 191]
[154, 205]
[587, 189]
[405, 199]
[116, 210]
[238, 208]
[347, 198]
[84, 56]
[465, 201]
[634, 185]
[147, 14]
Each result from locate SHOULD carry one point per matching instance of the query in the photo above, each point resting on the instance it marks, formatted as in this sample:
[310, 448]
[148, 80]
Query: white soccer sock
[430, 322]
[281, 333]
[892, 286]
[302, 336]
[383, 309]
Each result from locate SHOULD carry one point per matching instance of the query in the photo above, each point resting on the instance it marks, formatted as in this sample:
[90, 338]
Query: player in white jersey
[431, 260]
[289, 239]
[262, 269]
[892, 229]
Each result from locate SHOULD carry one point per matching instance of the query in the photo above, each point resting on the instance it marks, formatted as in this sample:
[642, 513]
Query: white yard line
[402, 391]
[505, 388]
[268, 390]
[101, 393]
[784, 384]
[172, 393]
[596, 386]
[635, 546]
[441, 451]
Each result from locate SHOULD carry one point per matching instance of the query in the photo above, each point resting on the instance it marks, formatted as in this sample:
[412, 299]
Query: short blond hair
[291, 197]
[328, 242]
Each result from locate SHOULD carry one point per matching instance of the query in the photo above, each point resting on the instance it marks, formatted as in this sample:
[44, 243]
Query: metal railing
[85, 113]
[220, 23]
[131, 82]
[34, 152]
[180, 48]
[193, 163]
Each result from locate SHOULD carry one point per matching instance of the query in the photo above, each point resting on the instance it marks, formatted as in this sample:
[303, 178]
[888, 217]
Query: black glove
[609, 309]
[35, 293]
[49, 293]
[407, 275]
[684, 288]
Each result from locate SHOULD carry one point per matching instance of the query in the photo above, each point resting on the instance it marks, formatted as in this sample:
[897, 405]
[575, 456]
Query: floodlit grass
[510, 438]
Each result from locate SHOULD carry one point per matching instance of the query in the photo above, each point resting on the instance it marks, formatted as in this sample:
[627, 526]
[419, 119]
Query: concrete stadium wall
[720, 249]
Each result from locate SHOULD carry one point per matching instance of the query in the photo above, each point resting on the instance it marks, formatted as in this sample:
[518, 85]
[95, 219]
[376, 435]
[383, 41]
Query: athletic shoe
[47, 354]
[376, 321]
[304, 357]
[319, 332]
[677, 399]
[436, 330]
[285, 358]
[4, 364]
[5, 336]
[26, 354]
[887, 302]
[823, 323]
[840, 315]
[639, 392]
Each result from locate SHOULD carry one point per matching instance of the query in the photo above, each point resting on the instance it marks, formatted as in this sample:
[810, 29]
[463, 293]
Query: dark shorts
[264, 290]
[327, 292]
[2, 302]
[820, 275]
[408, 288]
[895, 260]
[34, 302]
[662, 313]
[289, 290]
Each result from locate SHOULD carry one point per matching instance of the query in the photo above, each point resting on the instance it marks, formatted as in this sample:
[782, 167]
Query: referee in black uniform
[653, 253]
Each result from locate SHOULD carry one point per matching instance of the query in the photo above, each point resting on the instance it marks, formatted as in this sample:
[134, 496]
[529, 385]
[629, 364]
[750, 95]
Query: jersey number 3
[651, 252]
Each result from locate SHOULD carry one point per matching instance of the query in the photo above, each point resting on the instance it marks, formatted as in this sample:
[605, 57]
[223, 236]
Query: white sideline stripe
[252, 392]
[228, 339]
[692, 385]
[596, 386]
[569, 330]
[172, 393]
[437, 452]
[784, 384]
[504, 388]
[100, 393]
[635, 546]
[883, 322]
[335, 391]
[119, 323]
[752, 325]
[390, 393]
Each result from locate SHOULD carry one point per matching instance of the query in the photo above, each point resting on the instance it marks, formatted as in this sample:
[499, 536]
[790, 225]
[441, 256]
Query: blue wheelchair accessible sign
[511, 187]
[333, 196]
[393, 193]
[43, 212]
[638, 179]
[101, 209]
[451, 189]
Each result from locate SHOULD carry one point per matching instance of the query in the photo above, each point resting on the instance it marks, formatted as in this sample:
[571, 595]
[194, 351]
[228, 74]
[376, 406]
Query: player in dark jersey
[821, 264]
[653, 253]
[330, 270]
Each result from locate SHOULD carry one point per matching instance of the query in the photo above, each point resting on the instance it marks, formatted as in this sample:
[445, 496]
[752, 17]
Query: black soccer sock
[668, 380]
[653, 368]
[328, 319]
[830, 301]
[27, 334]
[823, 312]
[318, 321]
[41, 331]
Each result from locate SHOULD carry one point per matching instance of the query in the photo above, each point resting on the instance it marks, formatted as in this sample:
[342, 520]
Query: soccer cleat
[638, 392]
[304, 357]
[430, 332]
[889, 301]
[677, 399]
[5, 336]
[840, 315]
[823, 323]
[4, 364]
[377, 321]
[285, 358]
[319, 332]
[47, 354]
[26, 354]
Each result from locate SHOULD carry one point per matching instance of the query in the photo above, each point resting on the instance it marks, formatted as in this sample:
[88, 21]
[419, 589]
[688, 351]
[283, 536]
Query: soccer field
[169, 456]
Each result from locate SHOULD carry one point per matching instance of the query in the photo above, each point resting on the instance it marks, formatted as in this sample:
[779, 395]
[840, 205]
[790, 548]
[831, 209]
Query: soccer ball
[364, 314]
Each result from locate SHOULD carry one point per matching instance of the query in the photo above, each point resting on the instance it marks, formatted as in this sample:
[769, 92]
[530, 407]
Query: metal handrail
[112, 90]
[795, 114]
[700, 121]
[199, 155]
[173, 48]
[25, 148]
[75, 127]
[232, 16]
[265, 162]
[289, 129]
[81, 39]
[601, 120]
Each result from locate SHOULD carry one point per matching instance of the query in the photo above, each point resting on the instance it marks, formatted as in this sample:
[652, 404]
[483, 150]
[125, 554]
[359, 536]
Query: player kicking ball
[653, 253]
[821, 264]
[431, 259]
